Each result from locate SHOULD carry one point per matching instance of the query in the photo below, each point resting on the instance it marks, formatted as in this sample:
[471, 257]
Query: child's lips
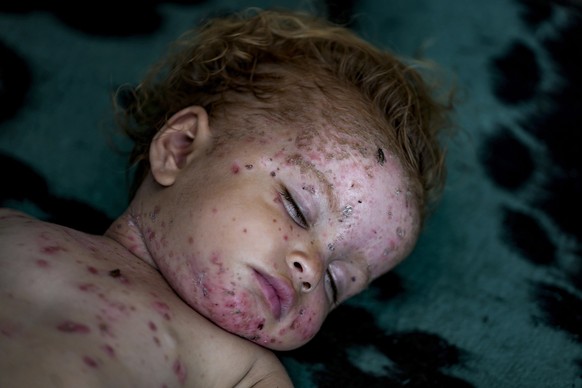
[278, 293]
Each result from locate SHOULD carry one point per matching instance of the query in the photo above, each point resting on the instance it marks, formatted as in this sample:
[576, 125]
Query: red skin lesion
[180, 371]
[88, 287]
[73, 327]
[215, 259]
[90, 361]
[52, 249]
[154, 214]
[9, 329]
[109, 350]
[163, 309]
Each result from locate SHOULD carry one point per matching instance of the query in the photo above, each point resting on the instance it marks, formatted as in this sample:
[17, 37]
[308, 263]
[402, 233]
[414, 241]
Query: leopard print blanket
[491, 296]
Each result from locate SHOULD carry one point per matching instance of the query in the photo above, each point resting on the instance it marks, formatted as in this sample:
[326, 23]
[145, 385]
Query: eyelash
[293, 209]
[295, 213]
[333, 286]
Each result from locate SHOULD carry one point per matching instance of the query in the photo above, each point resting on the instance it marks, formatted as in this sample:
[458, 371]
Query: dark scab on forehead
[380, 156]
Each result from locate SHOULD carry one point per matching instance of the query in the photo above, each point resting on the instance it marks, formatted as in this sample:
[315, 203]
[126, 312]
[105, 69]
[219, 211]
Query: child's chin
[280, 344]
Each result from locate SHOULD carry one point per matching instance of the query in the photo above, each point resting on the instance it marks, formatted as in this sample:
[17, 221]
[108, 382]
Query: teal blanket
[492, 294]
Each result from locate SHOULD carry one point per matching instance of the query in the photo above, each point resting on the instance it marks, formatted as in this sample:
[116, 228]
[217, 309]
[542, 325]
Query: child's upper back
[77, 310]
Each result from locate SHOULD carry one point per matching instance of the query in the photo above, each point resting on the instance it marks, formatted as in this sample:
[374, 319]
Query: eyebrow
[306, 166]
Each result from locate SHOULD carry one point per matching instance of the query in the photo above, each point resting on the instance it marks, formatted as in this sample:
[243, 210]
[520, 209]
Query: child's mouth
[279, 294]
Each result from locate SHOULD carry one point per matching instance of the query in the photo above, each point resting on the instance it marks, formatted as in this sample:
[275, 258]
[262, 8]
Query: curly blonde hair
[267, 54]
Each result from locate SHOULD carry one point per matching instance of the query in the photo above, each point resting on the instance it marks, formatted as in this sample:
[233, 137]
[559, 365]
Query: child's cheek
[220, 296]
[221, 299]
[215, 291]
[305, 325]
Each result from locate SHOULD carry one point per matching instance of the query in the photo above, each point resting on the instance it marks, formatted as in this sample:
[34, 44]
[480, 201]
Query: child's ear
[174, 146]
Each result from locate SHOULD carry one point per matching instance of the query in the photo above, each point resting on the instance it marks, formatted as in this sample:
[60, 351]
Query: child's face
[267, 233]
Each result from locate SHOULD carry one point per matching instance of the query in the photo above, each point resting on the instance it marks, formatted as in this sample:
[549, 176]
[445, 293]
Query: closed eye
[293, 209]
[333, 286]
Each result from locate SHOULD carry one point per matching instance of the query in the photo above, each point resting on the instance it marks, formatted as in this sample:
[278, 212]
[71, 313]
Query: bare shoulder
[10, 217]
[17, 233]
[11, 213]
[25, 241]
[14, 222]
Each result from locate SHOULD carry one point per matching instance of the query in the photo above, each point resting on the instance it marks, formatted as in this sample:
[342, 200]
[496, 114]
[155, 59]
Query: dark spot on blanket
[507, 161]
[524, 233]
[345, 326]
[33, 189]
[15, 81]
[562, 310]
[32, 186]
[556, 123]
[575, 274]
[341, 11]
[534, 12]
[89, 17]
[561, 201]
[544, 228]
[414, 358]
[420, 358]
[129, 18]
[388, 286]
[417, 349]
[516, 74]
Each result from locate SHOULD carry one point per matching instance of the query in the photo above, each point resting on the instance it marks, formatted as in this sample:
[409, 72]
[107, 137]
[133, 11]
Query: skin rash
[266, 233]
[260, 235]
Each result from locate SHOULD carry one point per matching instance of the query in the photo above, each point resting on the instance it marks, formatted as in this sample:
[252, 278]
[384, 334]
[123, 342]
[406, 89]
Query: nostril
[298, 266]
[306, 286]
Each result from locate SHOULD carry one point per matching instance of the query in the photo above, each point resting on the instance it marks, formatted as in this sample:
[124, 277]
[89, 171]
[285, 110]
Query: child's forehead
[335, 138]
[371, 204]
[311, 115]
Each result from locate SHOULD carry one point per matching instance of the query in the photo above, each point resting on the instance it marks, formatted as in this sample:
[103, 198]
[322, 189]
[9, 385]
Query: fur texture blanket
[491, 296]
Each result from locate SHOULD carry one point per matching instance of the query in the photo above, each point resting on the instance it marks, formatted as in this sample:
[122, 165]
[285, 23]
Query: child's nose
[307, 270]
